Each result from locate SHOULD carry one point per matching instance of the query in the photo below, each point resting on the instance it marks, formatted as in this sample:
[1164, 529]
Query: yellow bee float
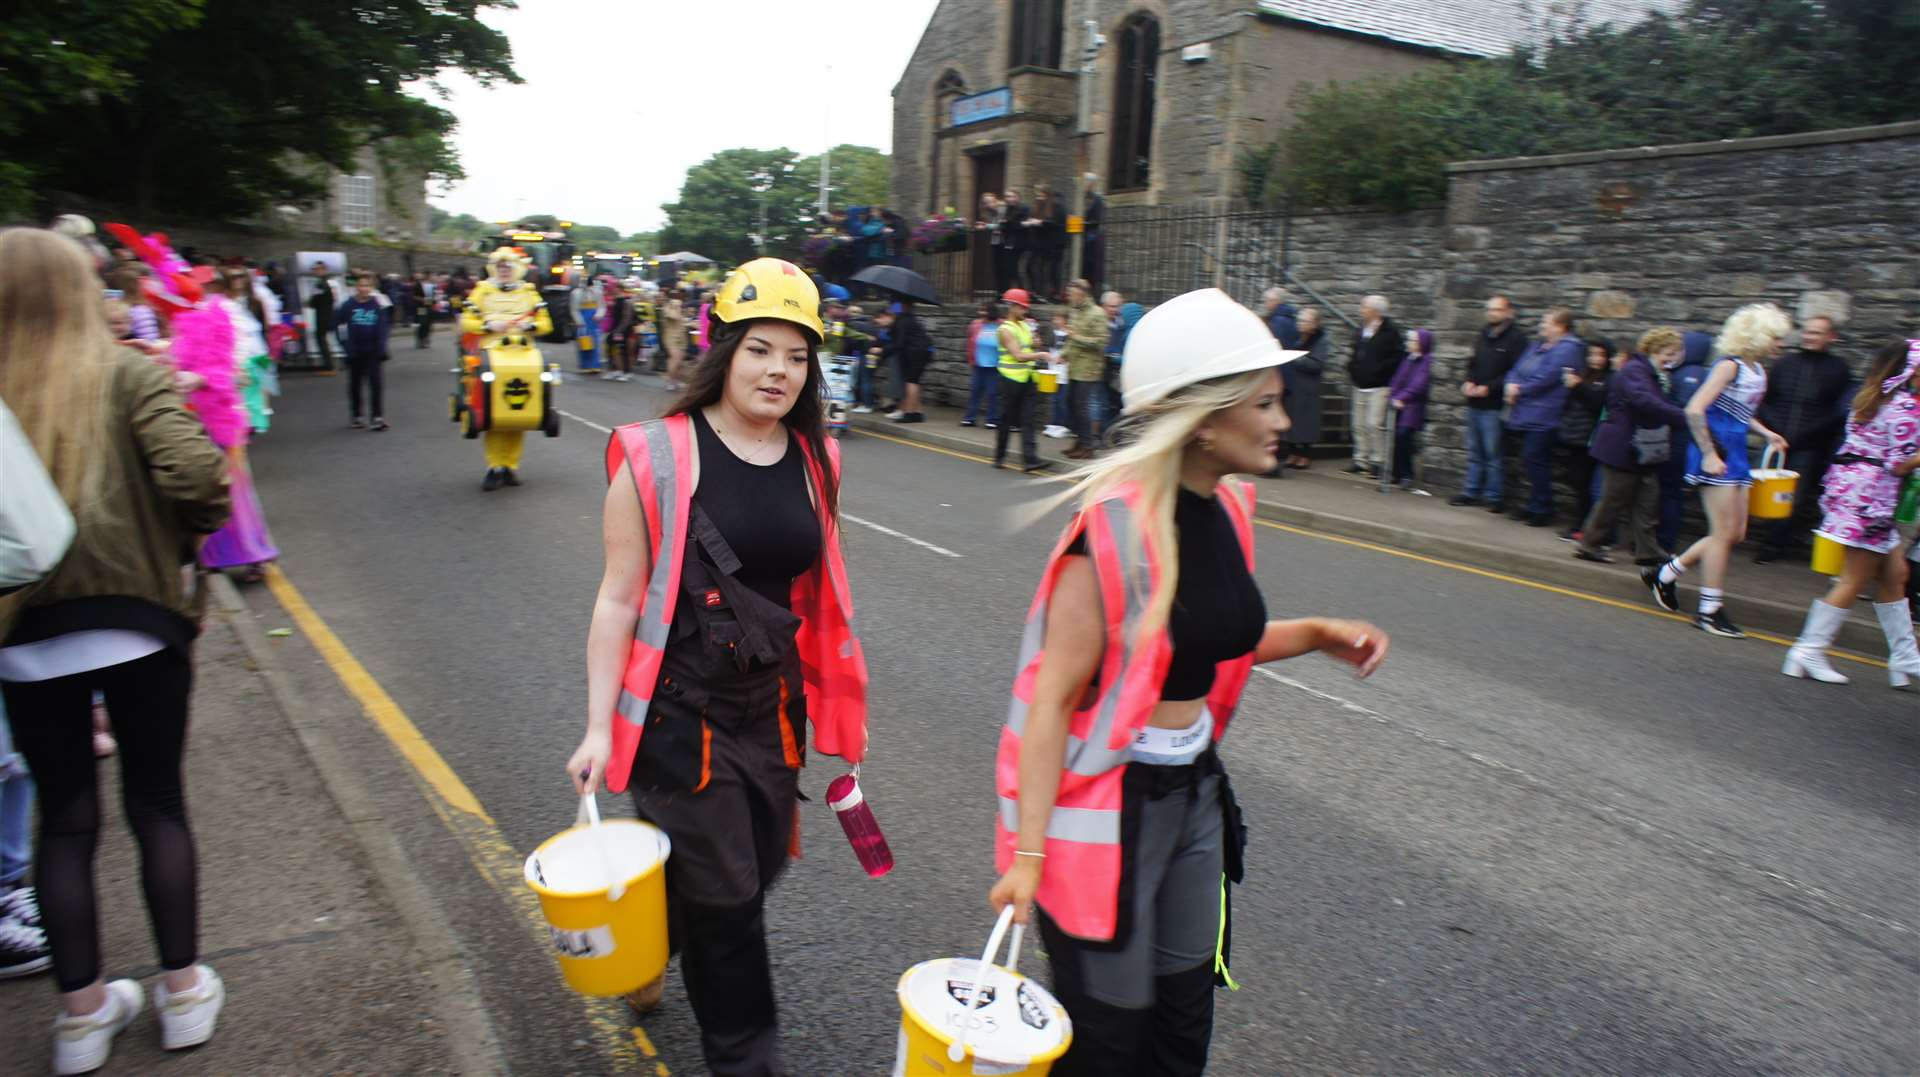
[506, 387]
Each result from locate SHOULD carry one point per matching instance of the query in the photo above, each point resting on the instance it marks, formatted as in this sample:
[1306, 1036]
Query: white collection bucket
[961, 1016]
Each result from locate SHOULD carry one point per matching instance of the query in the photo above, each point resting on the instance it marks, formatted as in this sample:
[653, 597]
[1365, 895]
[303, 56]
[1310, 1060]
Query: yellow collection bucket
[960, 1016]
[1771, 496]
[603, 890]
[1829, 557]
[1048, 381]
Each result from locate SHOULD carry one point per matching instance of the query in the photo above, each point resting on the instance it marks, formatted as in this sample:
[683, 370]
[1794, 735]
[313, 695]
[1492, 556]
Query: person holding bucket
[723, 626]
[1858, 507]
[1719, 416]
[1115, 817]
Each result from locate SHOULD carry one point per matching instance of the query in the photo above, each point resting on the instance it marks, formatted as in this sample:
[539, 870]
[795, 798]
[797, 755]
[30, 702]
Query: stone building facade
[1174, 89]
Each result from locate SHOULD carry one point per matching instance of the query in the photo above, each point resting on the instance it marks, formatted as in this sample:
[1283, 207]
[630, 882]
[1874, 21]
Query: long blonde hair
[56, 358]
[1153, 449]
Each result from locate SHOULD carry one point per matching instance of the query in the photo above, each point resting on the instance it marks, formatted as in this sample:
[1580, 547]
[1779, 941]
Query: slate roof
[1466, 27]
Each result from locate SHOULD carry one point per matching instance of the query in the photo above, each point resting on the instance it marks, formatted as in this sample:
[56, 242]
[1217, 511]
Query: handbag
[35, 525]
[1652, 446]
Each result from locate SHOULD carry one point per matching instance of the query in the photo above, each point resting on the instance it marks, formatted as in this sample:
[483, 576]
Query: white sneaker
[863, 410]
[187, 1019]
[896, 414]
[82, 1044]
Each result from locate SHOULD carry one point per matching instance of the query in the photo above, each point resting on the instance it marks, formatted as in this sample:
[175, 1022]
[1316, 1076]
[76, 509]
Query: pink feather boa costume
[203, 345]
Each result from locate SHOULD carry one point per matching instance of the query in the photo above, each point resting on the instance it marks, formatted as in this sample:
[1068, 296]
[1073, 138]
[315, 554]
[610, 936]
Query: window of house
[356, 203]
[1137, 67]
[1036, 34]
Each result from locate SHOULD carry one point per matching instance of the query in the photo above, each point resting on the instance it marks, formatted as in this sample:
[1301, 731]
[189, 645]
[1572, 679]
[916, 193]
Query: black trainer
[493, 480]
[508, 477]
[1461, 500]
[1665, 595]
[23, 950]
[1719, 624]
[20, 903]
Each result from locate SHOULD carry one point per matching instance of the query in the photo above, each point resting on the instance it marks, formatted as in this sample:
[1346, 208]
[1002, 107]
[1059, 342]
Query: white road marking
[883, 529]
[1597, 807]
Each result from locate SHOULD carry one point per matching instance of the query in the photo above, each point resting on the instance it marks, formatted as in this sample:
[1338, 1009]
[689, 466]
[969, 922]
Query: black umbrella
[902, 282]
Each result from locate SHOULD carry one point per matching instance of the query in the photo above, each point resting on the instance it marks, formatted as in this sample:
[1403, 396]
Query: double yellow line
[625, 1045]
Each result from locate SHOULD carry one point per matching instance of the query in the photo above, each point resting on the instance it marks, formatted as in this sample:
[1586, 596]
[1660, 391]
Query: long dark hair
[1886, 363]
[807, 417]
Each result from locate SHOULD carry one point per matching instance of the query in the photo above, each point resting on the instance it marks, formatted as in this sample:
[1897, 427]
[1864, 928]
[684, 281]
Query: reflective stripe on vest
[659, 456]
[1080, 889]
[1017, 369]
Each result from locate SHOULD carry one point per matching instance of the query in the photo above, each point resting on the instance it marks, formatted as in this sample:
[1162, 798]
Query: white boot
[1903, 658]
[1808, 656]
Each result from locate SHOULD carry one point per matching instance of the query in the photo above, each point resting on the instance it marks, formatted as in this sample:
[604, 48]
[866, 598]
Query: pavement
[1326, 500]
[323, 972]
[1555, 834]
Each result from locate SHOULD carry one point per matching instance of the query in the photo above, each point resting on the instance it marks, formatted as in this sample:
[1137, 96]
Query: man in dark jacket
[1017, 240]
[364, 322]
[1495, 351]
[1630, 445]
[1378, 348]
[322, 302]
[1806, 390]
[1682, 380]
[909, 349]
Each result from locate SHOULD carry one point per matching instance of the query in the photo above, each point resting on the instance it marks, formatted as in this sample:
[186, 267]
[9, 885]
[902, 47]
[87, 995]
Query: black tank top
[763, 512]
[1218, 612]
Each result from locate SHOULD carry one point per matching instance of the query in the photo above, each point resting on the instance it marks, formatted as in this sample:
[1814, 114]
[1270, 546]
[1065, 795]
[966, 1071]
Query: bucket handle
[590, 816]
[958, 1050]
[1771, 454]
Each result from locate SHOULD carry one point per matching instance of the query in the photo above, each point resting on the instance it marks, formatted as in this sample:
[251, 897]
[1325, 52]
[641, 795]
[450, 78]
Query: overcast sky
[621, 96]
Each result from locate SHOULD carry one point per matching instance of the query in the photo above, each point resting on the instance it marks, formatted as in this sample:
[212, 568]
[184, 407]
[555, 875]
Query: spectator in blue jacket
[1283, 321]
[1536, 395]
[1631, 445]
[1681, 381]
[363, 323]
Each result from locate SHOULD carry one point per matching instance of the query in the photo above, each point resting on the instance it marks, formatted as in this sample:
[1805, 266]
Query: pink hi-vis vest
[660, 455]
[1080, 887]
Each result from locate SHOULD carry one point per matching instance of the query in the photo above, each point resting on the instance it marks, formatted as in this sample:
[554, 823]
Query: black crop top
[1218, 612]
[763, 512]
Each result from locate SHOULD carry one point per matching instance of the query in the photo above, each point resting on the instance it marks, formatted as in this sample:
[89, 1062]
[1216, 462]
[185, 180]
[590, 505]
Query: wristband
[1023, 852]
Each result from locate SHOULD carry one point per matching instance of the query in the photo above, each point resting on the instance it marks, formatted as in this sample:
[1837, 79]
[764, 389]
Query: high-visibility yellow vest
[1017, 369]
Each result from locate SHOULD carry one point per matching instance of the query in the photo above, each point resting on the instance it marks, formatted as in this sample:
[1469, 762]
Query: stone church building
[1175, 89]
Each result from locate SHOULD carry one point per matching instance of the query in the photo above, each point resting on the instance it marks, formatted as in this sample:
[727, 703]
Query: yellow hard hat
[771, 288]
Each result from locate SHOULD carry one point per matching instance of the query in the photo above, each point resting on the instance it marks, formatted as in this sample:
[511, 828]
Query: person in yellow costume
[504, 303]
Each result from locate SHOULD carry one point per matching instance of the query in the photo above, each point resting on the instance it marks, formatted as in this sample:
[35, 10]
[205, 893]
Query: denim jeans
[983, 396]
[16, 809]
[863, 391]
[1536, 451]
[1486, 463]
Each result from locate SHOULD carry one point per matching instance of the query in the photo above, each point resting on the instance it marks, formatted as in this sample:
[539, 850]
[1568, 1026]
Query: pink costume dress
[1862, 490]
[203, 344]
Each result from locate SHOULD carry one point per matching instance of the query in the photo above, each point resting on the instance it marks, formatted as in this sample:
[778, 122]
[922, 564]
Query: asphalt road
[1551, 836]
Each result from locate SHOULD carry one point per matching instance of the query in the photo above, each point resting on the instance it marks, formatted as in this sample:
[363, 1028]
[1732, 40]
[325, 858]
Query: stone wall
[1824, 223]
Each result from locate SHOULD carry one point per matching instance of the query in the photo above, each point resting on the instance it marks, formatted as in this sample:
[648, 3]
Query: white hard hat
[1193, 338]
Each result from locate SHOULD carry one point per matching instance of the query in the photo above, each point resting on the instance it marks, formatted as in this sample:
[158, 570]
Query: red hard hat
[1018, 296]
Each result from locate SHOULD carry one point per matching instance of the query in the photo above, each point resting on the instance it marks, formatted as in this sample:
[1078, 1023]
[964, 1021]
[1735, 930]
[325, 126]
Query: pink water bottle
[850, 806]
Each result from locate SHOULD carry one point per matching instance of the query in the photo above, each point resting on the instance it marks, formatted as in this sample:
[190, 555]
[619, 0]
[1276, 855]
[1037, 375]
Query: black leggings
[365, 370]
[53, 728]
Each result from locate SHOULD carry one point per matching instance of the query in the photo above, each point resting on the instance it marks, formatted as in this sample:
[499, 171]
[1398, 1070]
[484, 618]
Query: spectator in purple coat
[1407, 391]
[1632, 445]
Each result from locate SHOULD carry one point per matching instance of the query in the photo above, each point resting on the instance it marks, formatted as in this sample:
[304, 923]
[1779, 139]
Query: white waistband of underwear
[1173, 747]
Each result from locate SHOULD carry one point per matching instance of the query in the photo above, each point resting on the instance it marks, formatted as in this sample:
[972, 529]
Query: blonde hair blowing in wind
[1751, 331]
[1153, 449]
[56, 357]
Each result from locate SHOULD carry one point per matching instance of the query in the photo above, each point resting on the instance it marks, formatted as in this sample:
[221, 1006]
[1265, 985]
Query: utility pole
[1083, 157]
[826, 136]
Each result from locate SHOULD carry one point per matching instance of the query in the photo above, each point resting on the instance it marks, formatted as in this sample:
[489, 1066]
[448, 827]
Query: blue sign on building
[990, 105]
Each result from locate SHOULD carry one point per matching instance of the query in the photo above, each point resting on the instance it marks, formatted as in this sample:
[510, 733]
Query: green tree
[463, 228]
[220, 108]
[719, 211]
[860, 176]
[596, 235]
[644, 243]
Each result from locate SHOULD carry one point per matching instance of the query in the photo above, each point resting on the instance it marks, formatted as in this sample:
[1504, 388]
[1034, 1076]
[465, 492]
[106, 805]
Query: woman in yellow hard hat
[722, 630]
[1115, 816]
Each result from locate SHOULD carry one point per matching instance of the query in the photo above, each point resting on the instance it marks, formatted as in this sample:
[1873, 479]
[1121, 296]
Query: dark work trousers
[423, 328]
[1085, 399]
[1673, 499]
[1536, 452]
[1016, 408]
[1781, 537]
[1406, 445]
[1002, 269]
[718, 770]
[1637, 495]
[363, 370]
[1577, 465]
[53, 728]
[1146, 1007]
[323, 337]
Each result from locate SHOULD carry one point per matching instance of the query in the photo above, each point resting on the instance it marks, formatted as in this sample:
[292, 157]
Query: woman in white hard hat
[722, 631]
[1116, 818]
